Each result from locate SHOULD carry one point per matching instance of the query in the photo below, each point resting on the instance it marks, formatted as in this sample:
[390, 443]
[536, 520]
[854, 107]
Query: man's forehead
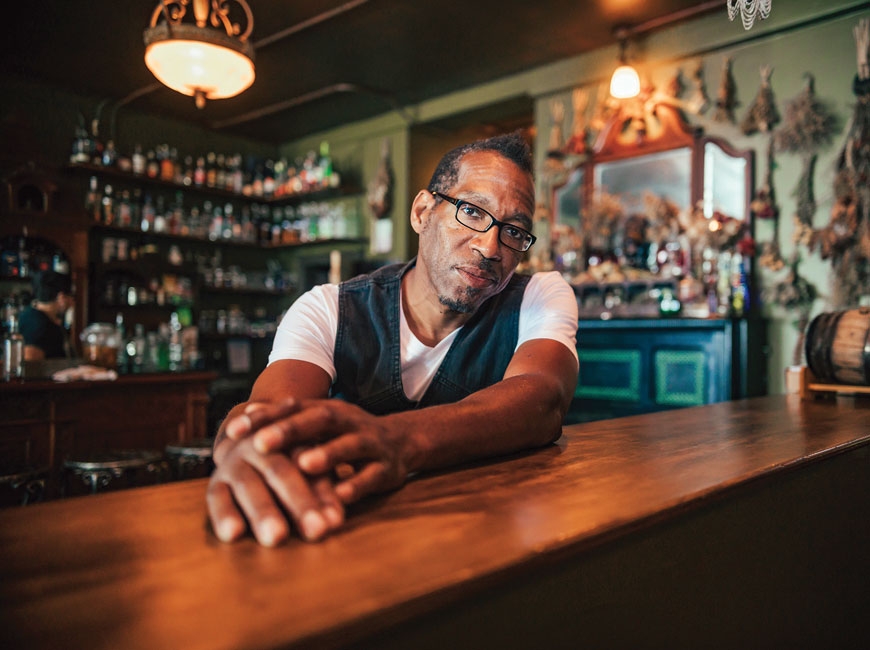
[478, 169]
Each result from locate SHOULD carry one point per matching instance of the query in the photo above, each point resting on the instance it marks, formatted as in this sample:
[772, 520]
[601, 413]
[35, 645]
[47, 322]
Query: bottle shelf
[175, 237]
[205, 190]
[245, 291]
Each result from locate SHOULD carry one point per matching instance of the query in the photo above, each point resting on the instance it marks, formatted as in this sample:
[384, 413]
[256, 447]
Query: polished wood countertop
[141, 569]
[45, 384]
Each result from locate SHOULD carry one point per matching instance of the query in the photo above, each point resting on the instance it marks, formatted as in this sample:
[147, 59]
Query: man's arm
[523, 410]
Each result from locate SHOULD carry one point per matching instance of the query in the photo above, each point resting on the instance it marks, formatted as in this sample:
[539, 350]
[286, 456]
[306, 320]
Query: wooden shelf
[291, 199]
[800, 380]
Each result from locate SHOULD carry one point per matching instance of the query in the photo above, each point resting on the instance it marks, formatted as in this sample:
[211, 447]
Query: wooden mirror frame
[663, 128]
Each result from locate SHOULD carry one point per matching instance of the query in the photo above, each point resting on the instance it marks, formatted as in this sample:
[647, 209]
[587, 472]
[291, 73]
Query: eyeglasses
[479, 220]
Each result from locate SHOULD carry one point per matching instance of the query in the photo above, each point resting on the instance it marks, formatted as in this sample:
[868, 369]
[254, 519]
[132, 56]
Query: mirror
[659, 212]
[568, 200]
[666, 174]
[727, 179]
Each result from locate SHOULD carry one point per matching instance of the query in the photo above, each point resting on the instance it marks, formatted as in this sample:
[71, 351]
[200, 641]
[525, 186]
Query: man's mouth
[476, 278]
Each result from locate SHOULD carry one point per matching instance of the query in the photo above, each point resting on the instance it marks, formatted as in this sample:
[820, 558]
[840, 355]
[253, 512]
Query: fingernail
[333, 516]
[238, 426]
[267, 440]
[271, 531]
[312, 460]
[226, 531]
[313, 524]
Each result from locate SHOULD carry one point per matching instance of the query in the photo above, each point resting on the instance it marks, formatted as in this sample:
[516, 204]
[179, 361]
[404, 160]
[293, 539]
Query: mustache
[486, 265]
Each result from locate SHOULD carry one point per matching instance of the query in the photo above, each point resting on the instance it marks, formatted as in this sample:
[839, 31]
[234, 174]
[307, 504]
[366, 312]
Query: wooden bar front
[737, 524]
[42, 422]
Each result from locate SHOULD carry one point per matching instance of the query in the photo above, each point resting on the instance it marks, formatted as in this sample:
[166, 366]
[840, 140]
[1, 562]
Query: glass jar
[100, 344]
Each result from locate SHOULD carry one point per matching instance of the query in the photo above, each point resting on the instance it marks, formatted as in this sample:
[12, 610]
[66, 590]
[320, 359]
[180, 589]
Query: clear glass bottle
[13, 349]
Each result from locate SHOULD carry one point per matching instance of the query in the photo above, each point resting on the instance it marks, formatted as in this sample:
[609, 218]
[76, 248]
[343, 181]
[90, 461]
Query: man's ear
[420, 209]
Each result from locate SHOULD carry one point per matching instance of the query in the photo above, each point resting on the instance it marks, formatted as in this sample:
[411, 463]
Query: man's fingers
[296, 494]
[244, 496]
[370, 479]
[226, 520]
[266, 489]
[314, 422]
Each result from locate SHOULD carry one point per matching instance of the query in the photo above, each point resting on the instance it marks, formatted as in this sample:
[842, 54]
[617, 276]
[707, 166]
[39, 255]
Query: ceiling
[368, 58]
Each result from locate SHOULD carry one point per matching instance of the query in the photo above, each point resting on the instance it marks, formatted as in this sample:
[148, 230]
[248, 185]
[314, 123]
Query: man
[41, 324]
[447, 359]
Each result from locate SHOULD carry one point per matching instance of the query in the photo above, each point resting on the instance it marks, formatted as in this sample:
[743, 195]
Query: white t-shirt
[307, 331]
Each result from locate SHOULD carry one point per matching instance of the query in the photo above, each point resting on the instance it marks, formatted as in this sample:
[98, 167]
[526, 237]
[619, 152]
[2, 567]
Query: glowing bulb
[625, 82]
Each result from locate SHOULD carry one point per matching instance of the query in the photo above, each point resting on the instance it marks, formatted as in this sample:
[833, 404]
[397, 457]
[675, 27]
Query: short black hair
[47, 284]
[512, 146]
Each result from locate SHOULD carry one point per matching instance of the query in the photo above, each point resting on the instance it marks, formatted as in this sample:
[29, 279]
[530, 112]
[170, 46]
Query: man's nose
[487, 243]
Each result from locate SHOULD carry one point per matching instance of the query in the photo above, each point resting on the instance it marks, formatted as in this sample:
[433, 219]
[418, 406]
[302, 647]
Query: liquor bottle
[325, 164]
[23, 257]
[199, 172]
[220, 179]
[176, 347]
[136, 348]
[13, 348]
[138, 160]
[122, 357]
[211, 169]
[187, 176]
[152, 165]
[92, 200]
[107, 213]
[147, 223]
[110, 156]
[125, 210]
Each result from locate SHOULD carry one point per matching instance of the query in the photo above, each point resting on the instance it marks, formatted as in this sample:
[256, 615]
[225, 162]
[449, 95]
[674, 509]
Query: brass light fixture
[210, 58]
[625, 82]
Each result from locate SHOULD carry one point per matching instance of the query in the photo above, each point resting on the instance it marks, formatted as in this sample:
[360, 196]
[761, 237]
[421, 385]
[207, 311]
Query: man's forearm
[518, 413]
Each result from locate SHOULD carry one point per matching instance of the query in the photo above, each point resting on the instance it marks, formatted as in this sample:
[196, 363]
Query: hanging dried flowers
[726, 99]
[808, 127]
[845, 240]
[794, 293]
[762, 114]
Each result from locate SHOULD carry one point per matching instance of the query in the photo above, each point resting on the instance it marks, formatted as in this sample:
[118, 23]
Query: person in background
[449, 358]
[41, 324]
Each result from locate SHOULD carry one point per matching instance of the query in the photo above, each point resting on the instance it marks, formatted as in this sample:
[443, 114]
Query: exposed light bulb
[625, 82]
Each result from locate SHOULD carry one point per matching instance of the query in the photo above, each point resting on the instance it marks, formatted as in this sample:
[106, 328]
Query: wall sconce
[197, 59]
[625, 82]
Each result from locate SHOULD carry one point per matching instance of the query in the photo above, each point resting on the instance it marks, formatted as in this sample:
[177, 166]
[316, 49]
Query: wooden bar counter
[735, 525]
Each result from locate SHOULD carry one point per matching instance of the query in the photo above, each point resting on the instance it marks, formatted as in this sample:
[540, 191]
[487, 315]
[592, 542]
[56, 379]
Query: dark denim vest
[367, 347]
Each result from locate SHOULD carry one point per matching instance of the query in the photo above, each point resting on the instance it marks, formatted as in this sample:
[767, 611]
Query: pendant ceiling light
[748, 10]
[208, 58]
[625, 82]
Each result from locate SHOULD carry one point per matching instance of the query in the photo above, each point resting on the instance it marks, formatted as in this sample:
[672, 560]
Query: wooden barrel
[838, 346]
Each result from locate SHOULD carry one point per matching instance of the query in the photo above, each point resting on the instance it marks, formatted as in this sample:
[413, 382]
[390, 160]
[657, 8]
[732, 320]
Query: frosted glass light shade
[199, 62]
[625, 83]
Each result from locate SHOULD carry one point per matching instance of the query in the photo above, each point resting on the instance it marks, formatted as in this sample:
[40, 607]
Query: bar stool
[191, 459]
[22, 485]
[121, 468]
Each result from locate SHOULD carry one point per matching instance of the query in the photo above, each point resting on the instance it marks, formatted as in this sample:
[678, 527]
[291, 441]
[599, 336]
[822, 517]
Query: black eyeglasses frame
[493, 222]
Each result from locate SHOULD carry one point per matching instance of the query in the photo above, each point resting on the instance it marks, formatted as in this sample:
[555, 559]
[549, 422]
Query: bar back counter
[739, 524]
[43, 422]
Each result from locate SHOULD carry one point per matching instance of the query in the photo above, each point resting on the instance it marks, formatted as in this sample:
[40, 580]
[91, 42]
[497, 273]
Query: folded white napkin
[85, 373]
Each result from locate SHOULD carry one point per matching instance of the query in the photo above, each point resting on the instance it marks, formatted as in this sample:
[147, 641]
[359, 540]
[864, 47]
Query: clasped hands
[299, 462]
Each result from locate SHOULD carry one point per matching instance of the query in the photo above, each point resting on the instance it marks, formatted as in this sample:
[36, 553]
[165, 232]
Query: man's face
[464, 266]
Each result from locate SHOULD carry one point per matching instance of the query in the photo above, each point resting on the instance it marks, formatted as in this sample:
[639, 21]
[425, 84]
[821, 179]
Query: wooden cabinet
[639, 366]
[43, 422]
